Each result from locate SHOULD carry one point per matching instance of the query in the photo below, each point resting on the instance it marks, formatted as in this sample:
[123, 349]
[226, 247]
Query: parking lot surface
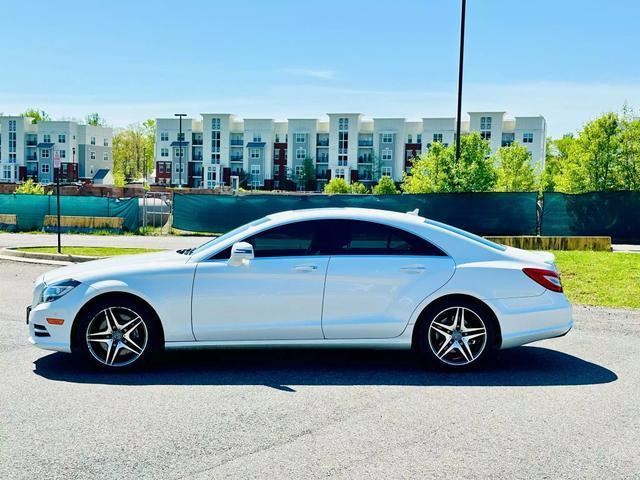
[562, 408]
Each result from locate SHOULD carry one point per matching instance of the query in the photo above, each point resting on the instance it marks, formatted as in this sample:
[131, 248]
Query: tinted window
[368, 238]
[335, 237]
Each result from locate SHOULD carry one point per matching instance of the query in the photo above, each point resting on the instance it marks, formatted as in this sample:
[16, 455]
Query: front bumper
[43, 320]
[529, 319]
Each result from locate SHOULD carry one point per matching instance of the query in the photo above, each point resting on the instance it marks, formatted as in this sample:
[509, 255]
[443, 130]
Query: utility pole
[460, 65]
[180, 145]
[56, 171]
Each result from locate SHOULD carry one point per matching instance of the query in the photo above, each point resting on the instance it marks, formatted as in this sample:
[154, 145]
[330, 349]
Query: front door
[275, 296]
[376, 279]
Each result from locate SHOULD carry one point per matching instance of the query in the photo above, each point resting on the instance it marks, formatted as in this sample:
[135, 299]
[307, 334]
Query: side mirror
[241, 253]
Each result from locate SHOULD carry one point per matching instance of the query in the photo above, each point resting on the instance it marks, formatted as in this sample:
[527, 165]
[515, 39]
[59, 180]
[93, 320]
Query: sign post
[56, 170]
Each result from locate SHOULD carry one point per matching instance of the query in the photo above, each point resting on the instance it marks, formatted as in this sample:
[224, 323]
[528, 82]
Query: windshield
[229, 234]
[469, 235]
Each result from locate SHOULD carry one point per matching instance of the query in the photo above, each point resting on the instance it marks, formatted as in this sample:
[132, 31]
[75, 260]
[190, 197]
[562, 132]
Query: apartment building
[269, 154]
[29, 150]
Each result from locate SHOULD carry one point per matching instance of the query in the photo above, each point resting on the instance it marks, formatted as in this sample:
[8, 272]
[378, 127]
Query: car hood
[544, 259]
[82, 271]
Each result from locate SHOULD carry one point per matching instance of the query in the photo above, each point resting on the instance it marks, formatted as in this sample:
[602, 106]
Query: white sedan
[333, 277]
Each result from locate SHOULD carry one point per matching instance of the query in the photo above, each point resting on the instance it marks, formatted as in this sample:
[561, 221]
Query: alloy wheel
[117, 336]
[457, 336]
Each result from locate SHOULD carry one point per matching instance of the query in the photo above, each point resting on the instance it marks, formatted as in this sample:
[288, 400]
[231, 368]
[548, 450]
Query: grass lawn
[90, 251]
[601, 278]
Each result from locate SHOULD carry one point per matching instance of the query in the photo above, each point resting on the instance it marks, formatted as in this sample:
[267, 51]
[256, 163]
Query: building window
[215, 124]
[437, 137]
[343, 124]
[299, 170]
[93, 140]
[215, 141]
[410, 138]
[44, 168]
[46, 138]
[257, 137]
[215, 158]
[62, 138]
[277, 140]
[164, 152]
[105, 156]
[527, 138]
[179, 168]
[300, 137]
[385, 171]
[179, 152]
[164, 136]
[63, 154]
[254, 153]
[387, 155]
[276, 154]
[6, 172]
[105, 142]
[255, 169]
[485, 123]
[340, 173]
[387, 138]
[301, 153]
[44, 154]
[419, 138]
[485, 135]
[93, 155]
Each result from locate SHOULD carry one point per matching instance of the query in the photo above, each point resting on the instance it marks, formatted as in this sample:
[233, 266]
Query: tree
[96, 120]
[629, 150]
[385, 186]
[438, 171]
[308, 176]
[133, 150]
[557, 152]
[593, 160]
[37, 116]
[30, 188]
[336, 185]
[358, 188]
[514, 170]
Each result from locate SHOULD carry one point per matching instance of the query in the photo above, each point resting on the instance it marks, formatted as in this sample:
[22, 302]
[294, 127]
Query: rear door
[377, 276]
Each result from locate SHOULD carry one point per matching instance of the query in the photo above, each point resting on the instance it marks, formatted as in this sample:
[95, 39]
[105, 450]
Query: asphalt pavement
[562, 408]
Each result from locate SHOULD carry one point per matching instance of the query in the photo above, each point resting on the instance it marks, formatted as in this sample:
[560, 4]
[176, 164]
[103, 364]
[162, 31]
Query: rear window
[469, 235]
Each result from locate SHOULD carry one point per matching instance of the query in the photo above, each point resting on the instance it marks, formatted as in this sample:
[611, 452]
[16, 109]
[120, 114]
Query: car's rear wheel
[118, 334]
[456, 335]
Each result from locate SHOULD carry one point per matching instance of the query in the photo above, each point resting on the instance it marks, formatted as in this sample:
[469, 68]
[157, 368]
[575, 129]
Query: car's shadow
[283, 368]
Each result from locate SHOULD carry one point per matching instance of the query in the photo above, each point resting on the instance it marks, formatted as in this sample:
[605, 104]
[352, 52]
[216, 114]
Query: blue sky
[568, 60]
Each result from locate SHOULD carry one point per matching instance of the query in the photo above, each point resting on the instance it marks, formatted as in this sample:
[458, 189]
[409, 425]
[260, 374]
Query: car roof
[346, 213]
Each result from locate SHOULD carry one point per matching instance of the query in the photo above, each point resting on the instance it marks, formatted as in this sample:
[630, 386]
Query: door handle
[413, 269]
[305, 268]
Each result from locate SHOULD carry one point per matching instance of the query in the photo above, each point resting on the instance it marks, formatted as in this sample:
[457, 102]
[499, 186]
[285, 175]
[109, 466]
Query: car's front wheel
[456, 335]
[117, 334]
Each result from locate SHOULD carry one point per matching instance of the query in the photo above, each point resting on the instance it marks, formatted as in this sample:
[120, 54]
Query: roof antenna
[415, 211]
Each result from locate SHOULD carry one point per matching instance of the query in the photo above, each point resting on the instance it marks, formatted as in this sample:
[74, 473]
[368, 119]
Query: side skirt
[399, 343]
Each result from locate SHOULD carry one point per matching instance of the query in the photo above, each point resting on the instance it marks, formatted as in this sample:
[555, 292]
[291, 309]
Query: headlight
[57, 290]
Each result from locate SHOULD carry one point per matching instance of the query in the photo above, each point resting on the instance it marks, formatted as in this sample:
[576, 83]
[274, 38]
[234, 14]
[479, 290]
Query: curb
[11, 253]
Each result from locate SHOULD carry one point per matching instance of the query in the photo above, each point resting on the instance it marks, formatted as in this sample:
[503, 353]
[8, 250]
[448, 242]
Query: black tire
[132, 342]
[469, 348]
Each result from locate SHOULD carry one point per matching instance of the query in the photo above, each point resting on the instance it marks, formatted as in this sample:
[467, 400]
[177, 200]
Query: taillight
[547, 278]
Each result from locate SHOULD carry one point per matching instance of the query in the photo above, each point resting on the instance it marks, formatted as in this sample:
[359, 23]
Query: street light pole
[460, 65]
[180, 145]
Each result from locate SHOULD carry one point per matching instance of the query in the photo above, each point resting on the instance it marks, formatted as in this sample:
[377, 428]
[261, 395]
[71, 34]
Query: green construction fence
[482, 213]
[31, 209]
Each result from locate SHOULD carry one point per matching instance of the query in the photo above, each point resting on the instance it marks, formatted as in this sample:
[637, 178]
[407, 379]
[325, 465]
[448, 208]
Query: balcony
[196, 158]
[364, 159]
[236, 158]
[196, 142]
[236, 142]
[31, 158]
[323, 142]
[31, 143]
[365, 143]
[322, 159]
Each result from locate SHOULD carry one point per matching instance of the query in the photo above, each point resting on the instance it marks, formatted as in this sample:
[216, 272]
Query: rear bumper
[529, 319]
